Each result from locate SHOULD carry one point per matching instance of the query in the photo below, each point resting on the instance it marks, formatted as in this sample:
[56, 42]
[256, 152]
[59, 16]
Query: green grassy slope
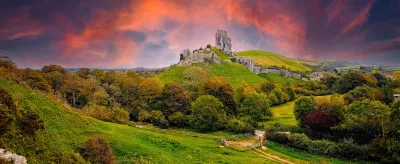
[234, 73]
[283, 114]
[267, 59]
[66, 130]
[278, 79]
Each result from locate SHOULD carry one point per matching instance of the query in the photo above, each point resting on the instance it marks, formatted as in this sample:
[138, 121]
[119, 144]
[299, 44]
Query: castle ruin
[223, 42]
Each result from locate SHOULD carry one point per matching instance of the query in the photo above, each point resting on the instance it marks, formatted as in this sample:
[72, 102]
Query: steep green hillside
[278, 79]
[66, 130]
[234, 73]
[267, 59]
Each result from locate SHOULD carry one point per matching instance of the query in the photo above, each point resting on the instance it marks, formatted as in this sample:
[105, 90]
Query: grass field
[66, 130]
[233, 73]
[267, 59]
[283, 114]
[278, 79]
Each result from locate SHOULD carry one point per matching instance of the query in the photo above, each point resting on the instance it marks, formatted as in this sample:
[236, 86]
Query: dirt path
[270, 157]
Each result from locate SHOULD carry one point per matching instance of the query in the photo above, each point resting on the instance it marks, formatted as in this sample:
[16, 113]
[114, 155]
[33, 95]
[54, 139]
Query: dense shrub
[119, 115]
[97, 150]
[207, 114]
[31, 122]
[143, 116]
[238, 126]
[256, 106]
[6, 118]
[178, 119]
[349, 150]
[320, 146]
[98, 112]
[320, 121]
[7, 100]
[278, 137]
[157, 118]
[299, 141]
[303, 106]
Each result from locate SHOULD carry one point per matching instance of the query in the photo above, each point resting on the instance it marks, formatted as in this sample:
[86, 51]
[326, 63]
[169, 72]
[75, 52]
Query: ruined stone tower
[222, 41]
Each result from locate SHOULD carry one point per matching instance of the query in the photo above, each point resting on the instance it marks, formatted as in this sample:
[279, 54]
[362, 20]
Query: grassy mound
[234, 73]
[66, 130]
[267, 59]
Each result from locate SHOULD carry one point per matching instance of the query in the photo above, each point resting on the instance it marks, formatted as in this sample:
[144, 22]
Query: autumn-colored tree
[83, 73]
[174, 99]
[396, 75]
[76, 91]
[150, 89]
[108, 77]
[54, 68]
[267, 87]
[6, 62]
[97, 150]
[35, 79]
[218, 88]
[97, 73]
[56, 80]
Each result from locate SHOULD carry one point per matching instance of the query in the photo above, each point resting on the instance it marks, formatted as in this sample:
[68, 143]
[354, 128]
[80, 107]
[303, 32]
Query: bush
[348, 149]
[238, 126]
[98, 112]
[320, 147]
[6, 118]
[207, 114]
[157, 118]
[97, 150]
[233, 59]
[143, 116]
[31, 122]
[178, 119]
[7, 100]
[120, 115]
[278, 137]
[299, 141]
[208, 46]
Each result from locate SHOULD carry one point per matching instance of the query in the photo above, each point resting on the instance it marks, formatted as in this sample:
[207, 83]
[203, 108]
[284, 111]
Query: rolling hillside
[66, 130]
[267, 59]
[234, 73]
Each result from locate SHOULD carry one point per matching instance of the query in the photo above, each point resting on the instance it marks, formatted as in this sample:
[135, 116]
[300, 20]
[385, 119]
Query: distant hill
[267, 59]
[234, 73]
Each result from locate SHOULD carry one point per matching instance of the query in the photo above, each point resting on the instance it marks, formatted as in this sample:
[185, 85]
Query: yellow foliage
[396, 75]
[370, 78]
[396, 91]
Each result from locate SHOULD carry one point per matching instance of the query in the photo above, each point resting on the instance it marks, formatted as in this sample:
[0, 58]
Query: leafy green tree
[150, 89]
[279, 95]
[207, 114]
[256, 106]
[56, 80]
[303, 106]
[365, 121]
[267, 87]
[223, 91]
[349, 81]
[387, 94]
[108, 77]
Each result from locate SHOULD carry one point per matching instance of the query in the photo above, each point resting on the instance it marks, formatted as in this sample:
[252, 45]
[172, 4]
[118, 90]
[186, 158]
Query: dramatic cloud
[151, 33]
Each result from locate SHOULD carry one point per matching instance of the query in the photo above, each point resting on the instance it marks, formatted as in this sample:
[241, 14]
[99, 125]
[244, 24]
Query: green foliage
[6, 118]
[223, 91]
[7, 100]
[158, 119]
[119, 115]
[55, 79]
[54, 68]
[83, 73]
[178, 119]
[239, 126]
[303, 107]
[97, 150]
[349, 81]
[7, 63]
[256, 106]
[387, 94]
[267, 87]
[207, 114]
[31, 122]
[174, 99]
[97, 73]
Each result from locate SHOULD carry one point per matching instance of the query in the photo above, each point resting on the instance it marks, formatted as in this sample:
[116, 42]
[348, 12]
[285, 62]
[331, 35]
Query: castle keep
[223, 42]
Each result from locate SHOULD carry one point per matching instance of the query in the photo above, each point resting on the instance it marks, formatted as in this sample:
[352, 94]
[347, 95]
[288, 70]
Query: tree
[108, 77]
[267, 87]
[54, 68]
[387, 94]
[178, 119]
[6, 62]
[35, 79]
[207, 114]
[76, 91]
[158, 119]
[150, 89]
[279, 95]
[349, 81]
[320, 120]
[83, 73]
[365, 121]
[223, 91]
[239, 126]
[256, 106]
[56, 80]
[396, 75]
[303, 106]
[97, 73]
[174, 99]
[395, 118]
[97, 150]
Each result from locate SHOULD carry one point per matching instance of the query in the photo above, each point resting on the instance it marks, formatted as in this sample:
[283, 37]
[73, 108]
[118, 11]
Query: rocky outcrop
[198, 56]
[8, 156]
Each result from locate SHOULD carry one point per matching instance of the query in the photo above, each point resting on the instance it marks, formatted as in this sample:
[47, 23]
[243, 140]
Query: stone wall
[198, 56]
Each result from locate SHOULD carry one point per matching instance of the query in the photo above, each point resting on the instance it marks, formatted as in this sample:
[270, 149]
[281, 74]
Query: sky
[152, 33]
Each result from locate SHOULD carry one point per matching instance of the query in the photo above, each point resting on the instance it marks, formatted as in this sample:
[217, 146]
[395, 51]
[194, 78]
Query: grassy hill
[267, 59]
[234, 73]
[66, 130]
